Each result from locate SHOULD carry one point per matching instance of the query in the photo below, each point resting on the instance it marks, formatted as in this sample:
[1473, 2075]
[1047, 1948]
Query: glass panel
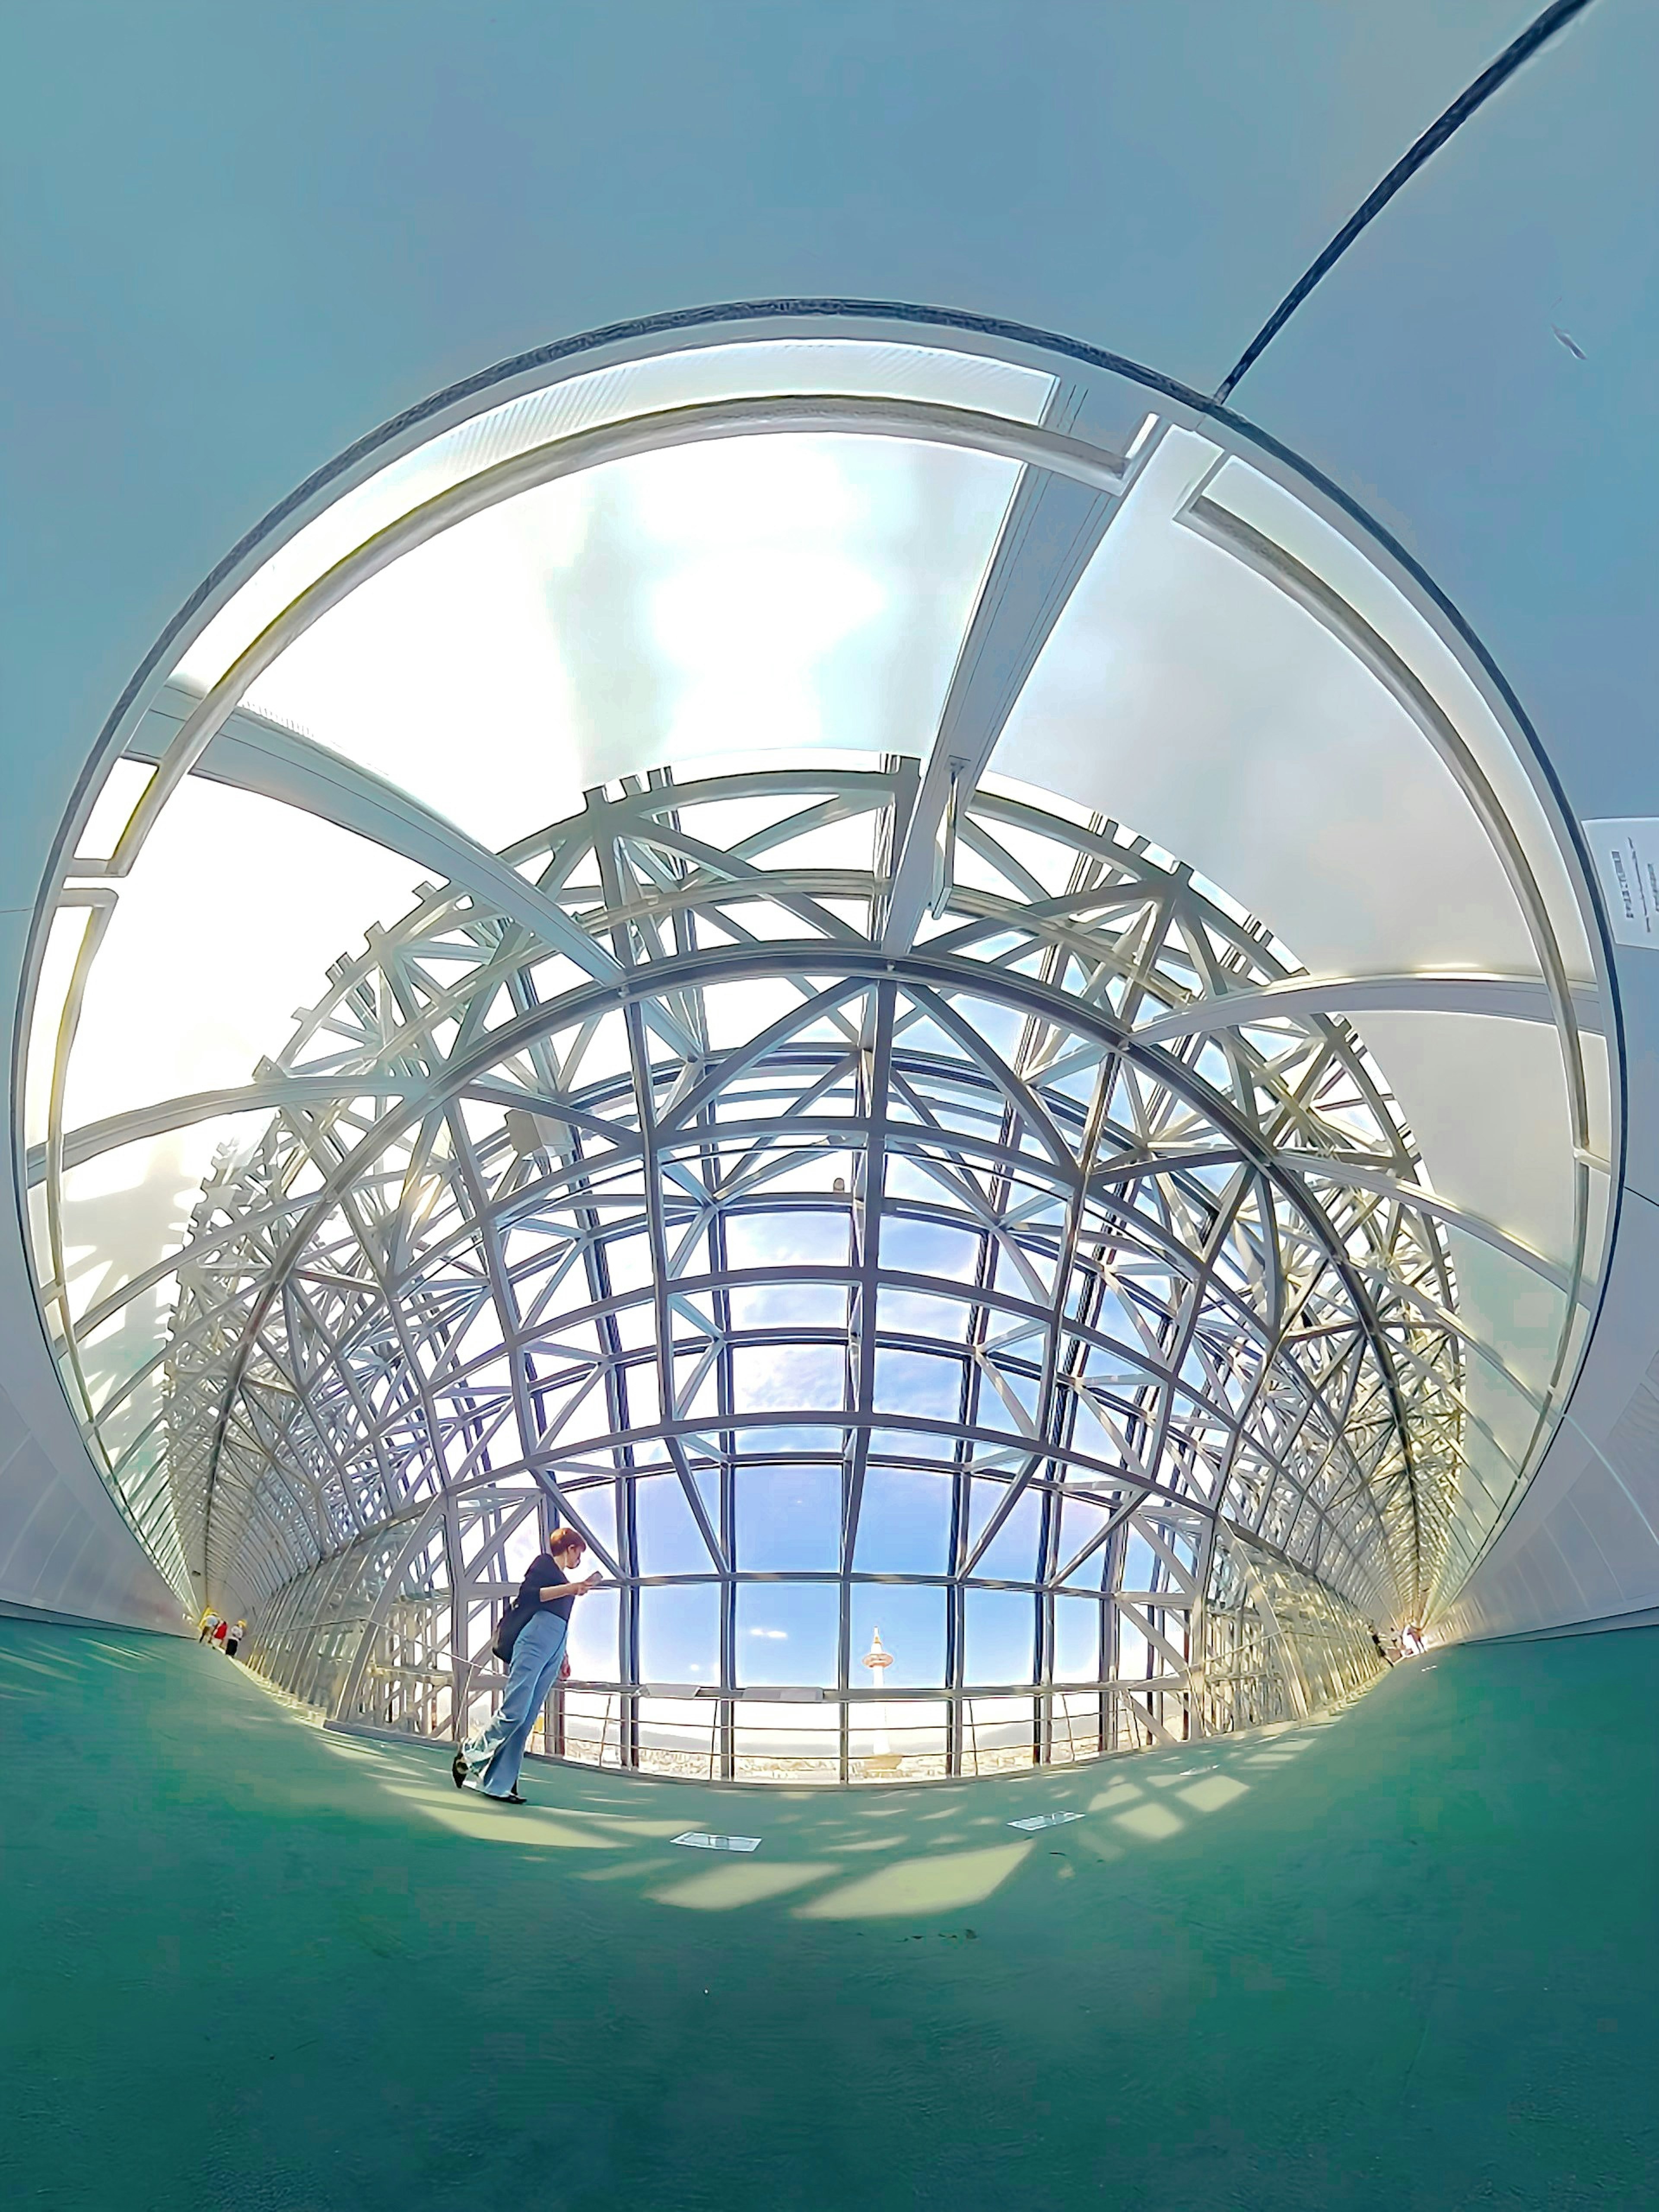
[1001, 1625]
[592, 1727]
[679, 1633]
[1012, 1555]
[905, 1739]
[999, 1734]
[904, 1522]
[669, 1540]
[1078, 1627]
[769, 1378]
[912, 1382]
[786, 1632]
[592, 1640]
[679, 1736]
[789, 1517]
[786, 1743]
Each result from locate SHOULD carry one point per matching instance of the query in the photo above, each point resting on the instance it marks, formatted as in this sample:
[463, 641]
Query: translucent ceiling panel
[1520, 1318]
[1184, 695]
[758, 595]
[1598, 1087]
[122, 1215]
[1487, 1101]
[1486, 1484]
[1510, 1394]
[235, 907]
[1313, 543]
[1193, 699]
[851, 368]
[121, 1211]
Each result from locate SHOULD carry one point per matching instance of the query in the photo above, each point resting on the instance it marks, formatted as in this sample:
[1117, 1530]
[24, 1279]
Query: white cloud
[772, 1635]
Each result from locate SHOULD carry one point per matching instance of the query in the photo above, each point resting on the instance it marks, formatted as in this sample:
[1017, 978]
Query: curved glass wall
[867, 1194]
[857, 1306]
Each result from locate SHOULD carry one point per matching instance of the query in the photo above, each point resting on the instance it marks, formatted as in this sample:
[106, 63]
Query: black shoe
[458, 1768]
[511, 1798]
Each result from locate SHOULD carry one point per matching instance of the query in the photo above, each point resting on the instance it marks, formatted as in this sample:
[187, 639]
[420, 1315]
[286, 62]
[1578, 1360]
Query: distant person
[209, 1622]
[221, 1633]
[235, 1638]
[532, 1638]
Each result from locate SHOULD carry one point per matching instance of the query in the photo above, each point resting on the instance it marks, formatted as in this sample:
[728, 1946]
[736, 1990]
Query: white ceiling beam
[1050, 533]
[1320, 1167]
[256, 755]
[1502, 997]
[271, 1094]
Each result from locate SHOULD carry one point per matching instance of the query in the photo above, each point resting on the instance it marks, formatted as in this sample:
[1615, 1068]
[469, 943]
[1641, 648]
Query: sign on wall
[1626, 856]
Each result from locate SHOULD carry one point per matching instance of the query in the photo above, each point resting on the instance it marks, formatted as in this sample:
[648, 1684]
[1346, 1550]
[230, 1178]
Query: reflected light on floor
[1139, 1804]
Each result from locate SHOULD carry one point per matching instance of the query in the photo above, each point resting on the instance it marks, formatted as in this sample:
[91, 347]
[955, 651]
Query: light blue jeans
[494, 1755]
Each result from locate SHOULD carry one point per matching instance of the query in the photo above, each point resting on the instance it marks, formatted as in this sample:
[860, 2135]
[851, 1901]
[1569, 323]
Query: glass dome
[780, 1119]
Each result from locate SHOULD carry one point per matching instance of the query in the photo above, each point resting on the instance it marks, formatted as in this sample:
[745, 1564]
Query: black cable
[1498, 73]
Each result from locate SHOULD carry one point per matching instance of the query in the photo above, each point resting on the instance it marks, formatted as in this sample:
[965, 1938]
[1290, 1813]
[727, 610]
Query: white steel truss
[1097, 1340]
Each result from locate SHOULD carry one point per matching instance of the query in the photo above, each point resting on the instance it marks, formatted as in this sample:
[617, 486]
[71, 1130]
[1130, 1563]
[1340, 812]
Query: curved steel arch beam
[1327, 605]
[256, 755]
[1499, 997]
[869, 965]
[271, 1094]
[281, 1093]
[1355, 1177]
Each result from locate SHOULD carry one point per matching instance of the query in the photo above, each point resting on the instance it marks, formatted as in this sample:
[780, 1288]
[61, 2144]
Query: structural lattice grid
[1278, 1645]
[1016, 1311]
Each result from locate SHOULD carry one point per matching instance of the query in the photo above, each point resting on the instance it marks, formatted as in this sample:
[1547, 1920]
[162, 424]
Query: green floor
[1405, 1959]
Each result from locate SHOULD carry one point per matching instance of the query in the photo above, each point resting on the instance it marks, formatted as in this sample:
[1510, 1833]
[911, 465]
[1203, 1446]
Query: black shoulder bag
[513, 1622]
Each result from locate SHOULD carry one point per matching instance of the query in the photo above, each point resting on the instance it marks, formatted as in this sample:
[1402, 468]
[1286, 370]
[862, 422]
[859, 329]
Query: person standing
[209, 1622]
[532, 1638]
[221, 1633]
[235, 1638]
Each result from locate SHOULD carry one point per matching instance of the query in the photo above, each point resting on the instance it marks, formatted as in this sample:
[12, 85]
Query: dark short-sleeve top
[544, 1572]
